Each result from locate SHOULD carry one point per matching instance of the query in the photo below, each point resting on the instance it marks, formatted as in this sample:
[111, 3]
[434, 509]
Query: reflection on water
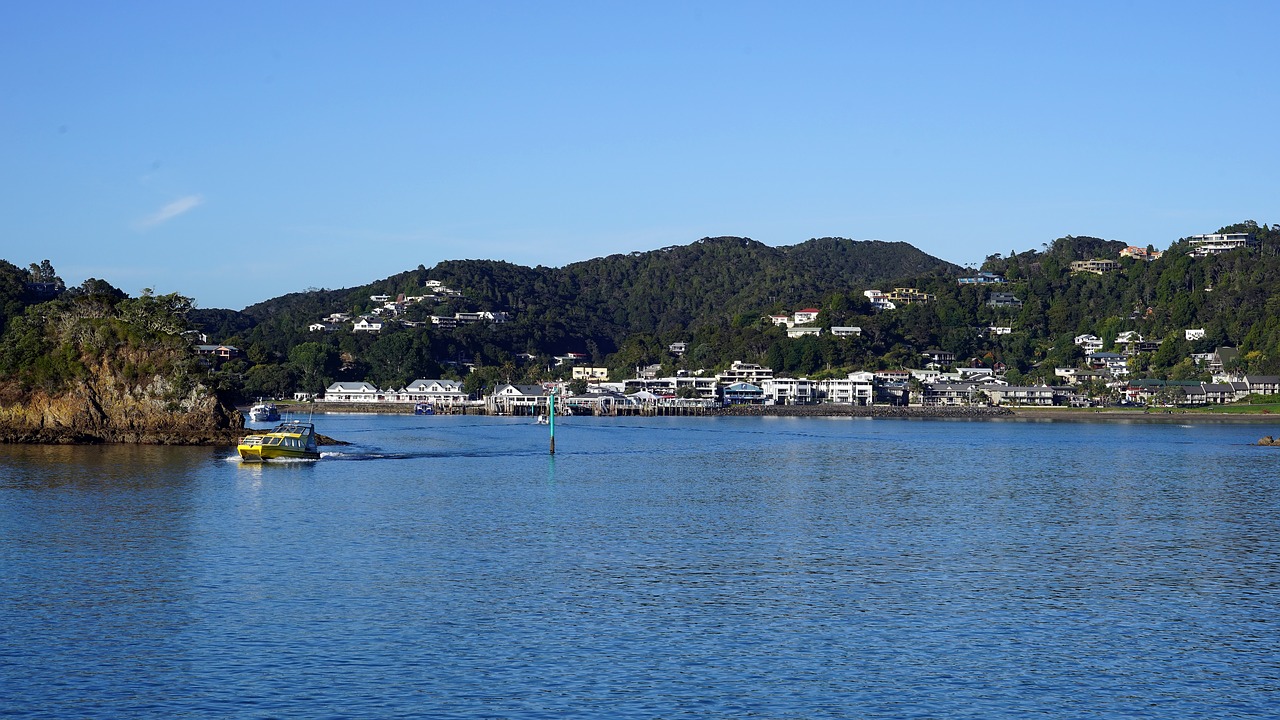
[447, 566]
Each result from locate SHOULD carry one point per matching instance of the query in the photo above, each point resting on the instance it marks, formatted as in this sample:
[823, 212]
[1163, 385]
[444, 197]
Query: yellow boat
[288, 441]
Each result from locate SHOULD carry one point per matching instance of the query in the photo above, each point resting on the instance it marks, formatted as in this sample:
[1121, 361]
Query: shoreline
[1177, 416]
[878, 411]
[230, 437]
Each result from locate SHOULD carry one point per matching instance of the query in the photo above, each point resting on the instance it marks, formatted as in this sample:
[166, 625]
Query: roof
[352, 387]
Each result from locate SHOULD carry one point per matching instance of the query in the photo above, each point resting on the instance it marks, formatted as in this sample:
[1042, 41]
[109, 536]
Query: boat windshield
[294, 429]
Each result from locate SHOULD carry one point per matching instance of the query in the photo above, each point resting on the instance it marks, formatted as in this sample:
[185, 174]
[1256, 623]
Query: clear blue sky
[239, 151]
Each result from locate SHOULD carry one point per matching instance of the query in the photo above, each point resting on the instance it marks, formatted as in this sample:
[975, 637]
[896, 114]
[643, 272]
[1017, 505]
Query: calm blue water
[747, 567]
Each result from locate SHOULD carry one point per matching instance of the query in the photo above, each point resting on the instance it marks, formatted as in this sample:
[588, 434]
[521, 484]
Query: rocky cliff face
[116, 403]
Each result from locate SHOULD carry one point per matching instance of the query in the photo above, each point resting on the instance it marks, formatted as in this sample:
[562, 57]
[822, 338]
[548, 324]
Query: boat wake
[236, 460]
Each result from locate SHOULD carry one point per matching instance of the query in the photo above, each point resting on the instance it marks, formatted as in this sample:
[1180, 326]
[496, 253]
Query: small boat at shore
[288, 441]
[424, 409]
[264, 412]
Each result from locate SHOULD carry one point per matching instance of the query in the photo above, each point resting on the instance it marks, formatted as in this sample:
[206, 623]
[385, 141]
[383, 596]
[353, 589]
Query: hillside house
[1003, 300]
[879, 301]
[982, 278]
[590, 374]
[1097, 267]
[1216, 244]
[218, 352]
[807, 315]
[907, 296]
[744, 372]
[1089, 343]
[1115, 363]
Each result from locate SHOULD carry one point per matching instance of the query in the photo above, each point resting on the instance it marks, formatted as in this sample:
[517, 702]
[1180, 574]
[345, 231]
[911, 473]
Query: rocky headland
[108, 406]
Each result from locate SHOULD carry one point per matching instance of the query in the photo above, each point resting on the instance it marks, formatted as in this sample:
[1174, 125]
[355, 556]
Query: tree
[157, 314]
[314, 365]
[273, 381]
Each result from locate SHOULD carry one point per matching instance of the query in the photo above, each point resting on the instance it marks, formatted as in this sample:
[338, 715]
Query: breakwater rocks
[872, 411]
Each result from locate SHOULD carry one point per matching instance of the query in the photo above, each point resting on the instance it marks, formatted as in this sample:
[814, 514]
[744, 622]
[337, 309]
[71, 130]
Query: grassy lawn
[1255, 409]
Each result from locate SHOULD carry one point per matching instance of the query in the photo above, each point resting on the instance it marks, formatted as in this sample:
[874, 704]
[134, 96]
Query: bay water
[446, 566]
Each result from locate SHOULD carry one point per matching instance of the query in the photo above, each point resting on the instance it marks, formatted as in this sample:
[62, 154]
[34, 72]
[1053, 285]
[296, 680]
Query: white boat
[264, 412]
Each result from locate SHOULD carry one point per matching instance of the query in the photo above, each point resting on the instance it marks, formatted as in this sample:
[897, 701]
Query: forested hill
[686, 286]
[597, 304]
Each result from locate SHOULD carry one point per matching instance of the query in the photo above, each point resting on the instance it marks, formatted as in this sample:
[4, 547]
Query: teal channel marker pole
[551, 419]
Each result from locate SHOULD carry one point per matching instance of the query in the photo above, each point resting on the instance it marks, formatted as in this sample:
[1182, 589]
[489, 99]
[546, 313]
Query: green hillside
[625, 311]
[599, 307]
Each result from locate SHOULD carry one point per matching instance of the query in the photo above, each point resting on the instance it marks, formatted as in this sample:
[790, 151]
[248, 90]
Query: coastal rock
[109, 405]
[1269, 441]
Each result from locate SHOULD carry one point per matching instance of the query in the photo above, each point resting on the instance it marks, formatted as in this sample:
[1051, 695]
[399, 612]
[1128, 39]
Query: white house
[1019, 395]
[1115, 363]
[351, 392]
[516, 399]
[744, 372]
[1215, 244]
[879, 300]
[795, 332]
[446, 393]
[1195, 333]
[581, 372]
[856, 389]
[1089, 343]
[367, 325]
[320, 327]
[380, 298]
[846, 331]
[789, 391]
[807, 315]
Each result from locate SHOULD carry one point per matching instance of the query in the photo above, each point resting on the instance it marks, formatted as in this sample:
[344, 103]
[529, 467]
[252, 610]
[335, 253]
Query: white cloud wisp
[172, 210]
